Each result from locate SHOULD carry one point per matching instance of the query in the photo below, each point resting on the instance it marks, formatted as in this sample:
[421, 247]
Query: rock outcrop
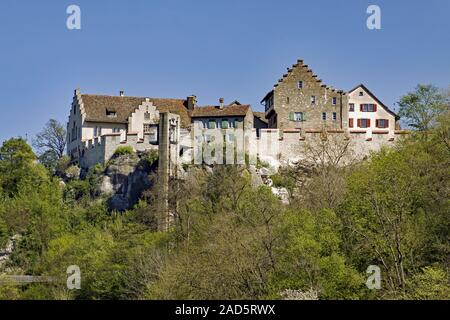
[125, 178]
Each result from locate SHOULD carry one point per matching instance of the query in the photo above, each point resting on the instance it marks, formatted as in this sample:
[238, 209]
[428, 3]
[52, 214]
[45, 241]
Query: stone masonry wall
[288, 97]
[101, 149]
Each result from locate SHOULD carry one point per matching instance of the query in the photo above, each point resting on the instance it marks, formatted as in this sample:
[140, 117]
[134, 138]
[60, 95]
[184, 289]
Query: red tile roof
[215, 111]
[97, 105]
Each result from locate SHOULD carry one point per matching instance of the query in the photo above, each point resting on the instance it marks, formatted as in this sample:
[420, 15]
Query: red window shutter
[377, 123]
[374, 108]
[359, 123]
[361, 107]
[350, 123]
[368, 123]
[387, 123]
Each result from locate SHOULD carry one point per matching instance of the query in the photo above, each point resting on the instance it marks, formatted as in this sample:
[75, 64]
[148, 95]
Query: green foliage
[8, 291]
[430, 284]
[422, 107]
[18, 168]
[395, 212]
[283, 181]
[4, 232]
[149, 159]
[310, 257]
[104, 256]
[124, 150]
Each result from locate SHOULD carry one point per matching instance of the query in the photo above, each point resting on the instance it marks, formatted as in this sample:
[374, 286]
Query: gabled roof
[261, 116]
[96, 106]
[235, 102]
[234, 110]
[300, 64]
[267, 96]
[375, 98]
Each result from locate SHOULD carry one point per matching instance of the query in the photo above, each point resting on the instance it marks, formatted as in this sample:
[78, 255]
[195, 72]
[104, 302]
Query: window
[363, 123]
[324, 116]
[334, 116]
[211, 124]
[147, 128]
[230, 137]
[313, 99]
[287, 100]
[111, 114]
[361, 93]
[97, 131]
[350, 123]
[300, 84]
[351, 107]
[147, 116]
[333, 101]
[115, 130]
[269, 103]
[382, 123]
[225, 124]
[368, 107]
[297, 116]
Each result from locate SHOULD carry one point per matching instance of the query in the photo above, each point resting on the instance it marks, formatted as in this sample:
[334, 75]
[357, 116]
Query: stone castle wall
[101, 149]
[276, 146]
[290, 145]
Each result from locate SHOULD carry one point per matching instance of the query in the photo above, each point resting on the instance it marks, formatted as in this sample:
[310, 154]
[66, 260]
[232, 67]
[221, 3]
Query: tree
[422, 107]
[50, 143]
[395, 211]
[311, 259]
[18, 168]
[430, 284]
[320, 174]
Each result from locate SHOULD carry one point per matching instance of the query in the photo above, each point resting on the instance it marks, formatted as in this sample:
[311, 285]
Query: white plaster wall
[381, 113]
[137, 119]
[106, 128]
[76, 119]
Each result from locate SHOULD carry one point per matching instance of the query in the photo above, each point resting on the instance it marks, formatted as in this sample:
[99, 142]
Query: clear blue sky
[235, 49]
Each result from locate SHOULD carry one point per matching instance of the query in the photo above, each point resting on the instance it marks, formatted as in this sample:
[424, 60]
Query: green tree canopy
[422, 107]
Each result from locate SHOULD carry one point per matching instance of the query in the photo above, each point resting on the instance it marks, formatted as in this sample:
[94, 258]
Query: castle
[299, 108]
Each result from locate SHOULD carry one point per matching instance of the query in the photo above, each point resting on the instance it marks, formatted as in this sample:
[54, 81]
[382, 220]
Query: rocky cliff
[125, 177]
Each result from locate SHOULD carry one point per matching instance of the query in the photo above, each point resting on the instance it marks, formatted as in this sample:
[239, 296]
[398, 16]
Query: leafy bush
[124, 150]
[430, 284]
[4, 234]
[150, 158]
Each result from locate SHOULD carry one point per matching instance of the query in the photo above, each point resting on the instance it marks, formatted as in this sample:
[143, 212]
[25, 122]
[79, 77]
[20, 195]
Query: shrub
[123, 150]
[150, 157]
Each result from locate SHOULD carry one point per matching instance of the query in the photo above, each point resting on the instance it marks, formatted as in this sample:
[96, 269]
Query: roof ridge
[133, 97]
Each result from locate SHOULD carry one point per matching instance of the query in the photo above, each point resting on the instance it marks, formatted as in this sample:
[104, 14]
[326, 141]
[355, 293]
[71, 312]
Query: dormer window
[313, 99]
[333, 101]
[300, 84]
[147, 116]
[361, 93]
[111, 113]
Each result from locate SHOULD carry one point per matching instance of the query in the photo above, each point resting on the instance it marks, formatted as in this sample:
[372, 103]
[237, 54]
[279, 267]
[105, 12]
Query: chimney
[191, 102]
[122, 93]
[221, 103]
